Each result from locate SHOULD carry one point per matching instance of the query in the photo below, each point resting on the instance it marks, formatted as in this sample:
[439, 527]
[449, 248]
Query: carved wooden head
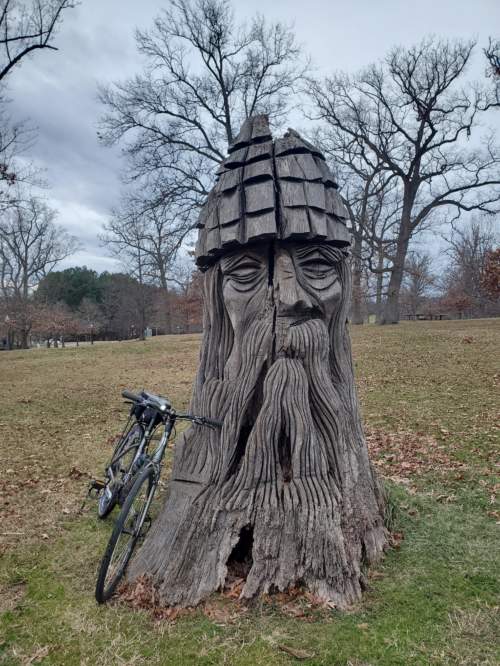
[273, 234]
[273, 245]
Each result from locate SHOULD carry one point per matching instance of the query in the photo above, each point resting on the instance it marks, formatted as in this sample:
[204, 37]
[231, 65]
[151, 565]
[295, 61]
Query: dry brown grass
[60, 408]
[429, 397]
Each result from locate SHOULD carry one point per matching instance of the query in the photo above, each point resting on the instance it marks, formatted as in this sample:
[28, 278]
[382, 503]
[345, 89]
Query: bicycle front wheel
[127, 531]
[121, 463]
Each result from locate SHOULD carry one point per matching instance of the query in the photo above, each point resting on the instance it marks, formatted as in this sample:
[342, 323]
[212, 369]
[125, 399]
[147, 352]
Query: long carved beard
[286, 441]
[277, 470]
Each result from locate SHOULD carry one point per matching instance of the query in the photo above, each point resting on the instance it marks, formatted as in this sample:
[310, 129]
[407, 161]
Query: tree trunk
[357, 272]
[273, 498]
[24, 339]
[380, 284]
[390, 313]
[283, 495]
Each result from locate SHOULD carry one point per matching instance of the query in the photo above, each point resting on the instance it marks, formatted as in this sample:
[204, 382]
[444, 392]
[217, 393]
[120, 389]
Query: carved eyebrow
[229, 263]
[327, 252]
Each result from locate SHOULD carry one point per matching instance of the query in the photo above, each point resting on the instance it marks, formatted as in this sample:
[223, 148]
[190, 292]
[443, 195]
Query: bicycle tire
[145, 481]
[107, 502]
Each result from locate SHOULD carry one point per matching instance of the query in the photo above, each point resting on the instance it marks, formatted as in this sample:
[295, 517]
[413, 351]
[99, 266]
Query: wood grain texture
[285, 489]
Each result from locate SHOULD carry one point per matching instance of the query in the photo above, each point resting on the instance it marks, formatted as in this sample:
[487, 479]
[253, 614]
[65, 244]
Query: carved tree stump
[284, 493]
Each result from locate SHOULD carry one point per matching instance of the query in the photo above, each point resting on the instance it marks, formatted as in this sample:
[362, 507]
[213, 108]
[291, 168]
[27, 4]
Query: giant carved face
[304, 278]
[288, 281]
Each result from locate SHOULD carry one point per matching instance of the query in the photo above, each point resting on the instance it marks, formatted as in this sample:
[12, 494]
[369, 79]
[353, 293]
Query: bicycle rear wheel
[121, 462]
[127, 531]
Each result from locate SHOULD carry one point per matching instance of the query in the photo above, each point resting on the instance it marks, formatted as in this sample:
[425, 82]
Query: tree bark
[357, 271]
[380, 285]
[390, 312]
[24, 339]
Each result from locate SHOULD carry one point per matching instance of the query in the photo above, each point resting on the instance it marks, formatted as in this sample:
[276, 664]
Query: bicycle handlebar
[128, 395]
[200, 420]
[212, 422]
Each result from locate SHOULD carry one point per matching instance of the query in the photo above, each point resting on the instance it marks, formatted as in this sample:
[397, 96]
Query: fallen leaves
[77, 474]
[142, 594]
[38, 655]
[402, 454]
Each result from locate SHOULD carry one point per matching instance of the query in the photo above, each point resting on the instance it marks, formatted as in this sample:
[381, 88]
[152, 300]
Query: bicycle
[127, 457]
[141, 481]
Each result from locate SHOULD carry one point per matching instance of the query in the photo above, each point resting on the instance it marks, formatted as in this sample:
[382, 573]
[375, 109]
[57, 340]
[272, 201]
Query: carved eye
[244, 272]
[317, 267]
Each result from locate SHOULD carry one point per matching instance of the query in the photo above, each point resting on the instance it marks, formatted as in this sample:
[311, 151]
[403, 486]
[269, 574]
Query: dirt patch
[11, 596]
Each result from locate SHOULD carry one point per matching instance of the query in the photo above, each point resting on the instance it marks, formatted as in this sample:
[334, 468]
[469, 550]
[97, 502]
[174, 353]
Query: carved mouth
[302, 319]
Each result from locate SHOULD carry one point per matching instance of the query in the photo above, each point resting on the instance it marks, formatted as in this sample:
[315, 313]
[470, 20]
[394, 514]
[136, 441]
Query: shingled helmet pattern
[267, 189]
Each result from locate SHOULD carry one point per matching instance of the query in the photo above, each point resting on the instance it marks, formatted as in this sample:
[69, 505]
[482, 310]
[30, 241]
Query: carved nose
[291, 297]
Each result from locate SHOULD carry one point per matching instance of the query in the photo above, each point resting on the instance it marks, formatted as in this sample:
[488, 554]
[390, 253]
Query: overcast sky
[56, 90]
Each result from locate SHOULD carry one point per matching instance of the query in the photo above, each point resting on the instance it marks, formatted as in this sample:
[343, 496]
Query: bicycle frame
[168, 421]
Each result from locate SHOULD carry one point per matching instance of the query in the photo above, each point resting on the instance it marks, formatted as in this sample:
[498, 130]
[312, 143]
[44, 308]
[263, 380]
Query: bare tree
[418, 281]
[126, 306]
[27, 27]
[146, 240]
[492, 53]
[91, 319]
[30, 246]
[468, 251]
[16, 138]
[153, 234]
[409, 114]
[205, 73]
[490, 279]
[373, 200]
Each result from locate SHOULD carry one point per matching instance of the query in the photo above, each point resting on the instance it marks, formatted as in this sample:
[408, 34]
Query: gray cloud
[57, 90]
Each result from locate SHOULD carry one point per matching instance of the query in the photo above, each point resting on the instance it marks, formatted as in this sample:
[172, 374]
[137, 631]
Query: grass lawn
[429, 392]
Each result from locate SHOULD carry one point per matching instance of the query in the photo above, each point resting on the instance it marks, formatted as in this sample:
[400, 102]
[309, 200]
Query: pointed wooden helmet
[265, 189]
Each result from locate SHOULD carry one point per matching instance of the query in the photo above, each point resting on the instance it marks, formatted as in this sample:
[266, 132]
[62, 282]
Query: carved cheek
[330, 298]
[325, 292]
[244, 301]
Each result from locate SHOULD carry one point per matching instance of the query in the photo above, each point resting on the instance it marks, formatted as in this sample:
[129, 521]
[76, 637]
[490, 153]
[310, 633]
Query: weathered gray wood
[230, 179]
[317, 223]
[259, 151]
[236, 158]
[260, 226]
[292, 193]
[286, 488]
[315, 195]
[259, 196]
[258, 170]
[295, 222]
[229, 206]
